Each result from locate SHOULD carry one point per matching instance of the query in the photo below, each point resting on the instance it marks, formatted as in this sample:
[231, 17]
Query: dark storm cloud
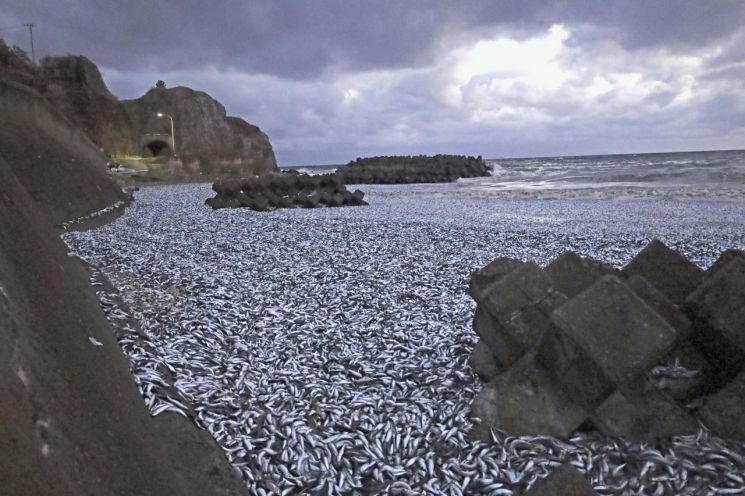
[301, 40]
[330, 80]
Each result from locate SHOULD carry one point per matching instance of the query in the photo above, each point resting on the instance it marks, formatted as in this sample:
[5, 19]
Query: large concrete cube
[483, 362]
[669, 271]
[660, 304]
[563, 481]
[720, 302]
[724, 258]
[724, 413]
[571, 274]
[717, 309]
[525, 401]
[514, 312]
[683, 373]
[601, 339]
[505, 349]
[680, 387]
[638, 411]
[495, 270]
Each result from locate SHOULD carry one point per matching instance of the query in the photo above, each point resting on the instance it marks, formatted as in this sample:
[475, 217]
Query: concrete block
[283, 202]
[720, 302]
[667, 270]
[358, 198]
[638, 411]
[660, 304]
[724, 412]
[336, 200]
[310, 201]
[563, 481]
[571, 274]
[717, 309]
[515, 311]
[519, 288]
[258, 202]
[483, 362]
[505, 349]
[495, 270]
[525, 401]
[724, 258]
[601, 339]
[683, 373]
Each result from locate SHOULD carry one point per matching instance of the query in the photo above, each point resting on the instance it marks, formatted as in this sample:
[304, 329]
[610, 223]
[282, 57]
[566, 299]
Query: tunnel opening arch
[156, 145]
[157, 148]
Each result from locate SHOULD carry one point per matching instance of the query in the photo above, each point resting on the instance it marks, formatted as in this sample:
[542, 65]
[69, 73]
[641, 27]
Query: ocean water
[714, 175]
[717, 174]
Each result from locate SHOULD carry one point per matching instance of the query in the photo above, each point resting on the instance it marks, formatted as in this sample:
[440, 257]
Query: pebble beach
[326, 349]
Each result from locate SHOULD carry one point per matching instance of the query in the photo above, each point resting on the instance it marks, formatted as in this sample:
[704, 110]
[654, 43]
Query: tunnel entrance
[157, 148]
[156, 145]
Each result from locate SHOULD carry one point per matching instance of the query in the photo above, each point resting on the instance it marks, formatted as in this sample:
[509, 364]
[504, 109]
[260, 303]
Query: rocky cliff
[207, 140]
[75, 87]
[203, 131]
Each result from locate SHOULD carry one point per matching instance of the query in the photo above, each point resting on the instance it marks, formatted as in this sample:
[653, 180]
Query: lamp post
[173, 137]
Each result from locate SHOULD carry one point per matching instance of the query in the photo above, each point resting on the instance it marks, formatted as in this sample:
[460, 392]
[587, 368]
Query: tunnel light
[173, 137]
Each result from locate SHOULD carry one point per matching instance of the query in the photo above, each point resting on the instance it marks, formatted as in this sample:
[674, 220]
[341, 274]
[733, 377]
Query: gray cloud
[303, 39]
[639, 74]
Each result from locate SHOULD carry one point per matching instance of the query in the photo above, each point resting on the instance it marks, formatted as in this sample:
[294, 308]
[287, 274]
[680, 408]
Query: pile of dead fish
[288, 189]
[338, 364]
[642, 354]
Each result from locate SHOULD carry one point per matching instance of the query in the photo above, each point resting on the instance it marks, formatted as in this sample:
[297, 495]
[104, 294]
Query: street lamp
[173, 137]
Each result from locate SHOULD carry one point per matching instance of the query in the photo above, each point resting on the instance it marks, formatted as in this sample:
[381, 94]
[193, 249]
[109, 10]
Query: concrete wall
[58, 165]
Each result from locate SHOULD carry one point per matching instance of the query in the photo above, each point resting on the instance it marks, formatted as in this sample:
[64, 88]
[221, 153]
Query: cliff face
[201, 128]
[207, 140]
[75, 87]
[15, 64]
[203, 131]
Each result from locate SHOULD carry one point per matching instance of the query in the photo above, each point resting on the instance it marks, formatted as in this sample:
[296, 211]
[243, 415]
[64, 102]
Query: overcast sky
[329, 81]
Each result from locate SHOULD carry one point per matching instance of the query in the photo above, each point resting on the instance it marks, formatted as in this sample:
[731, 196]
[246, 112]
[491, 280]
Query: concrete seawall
[71, 419]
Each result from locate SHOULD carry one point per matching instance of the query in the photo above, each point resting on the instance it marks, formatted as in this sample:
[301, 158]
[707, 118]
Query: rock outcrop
[582, 344]
[207, 141]
[417, 169]
[75, 87]
[15, 64]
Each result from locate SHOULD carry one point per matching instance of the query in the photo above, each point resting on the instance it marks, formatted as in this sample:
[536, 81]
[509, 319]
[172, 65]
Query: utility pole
[31, 27]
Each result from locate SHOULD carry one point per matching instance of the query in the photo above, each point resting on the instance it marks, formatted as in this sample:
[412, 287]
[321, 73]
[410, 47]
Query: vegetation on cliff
[412, 169]
[15, 64]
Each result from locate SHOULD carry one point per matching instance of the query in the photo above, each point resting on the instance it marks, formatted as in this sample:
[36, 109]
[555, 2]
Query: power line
[31, 27]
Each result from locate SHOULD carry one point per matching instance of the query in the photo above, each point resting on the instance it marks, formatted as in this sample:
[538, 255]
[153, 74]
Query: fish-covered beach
[326, 350]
